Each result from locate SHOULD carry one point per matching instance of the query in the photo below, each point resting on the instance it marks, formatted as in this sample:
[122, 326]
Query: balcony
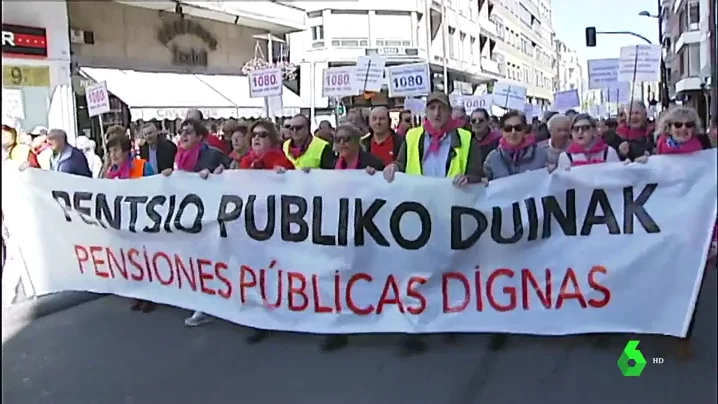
[688, 84]
[687, 38]
[490, 66]
[487, 27]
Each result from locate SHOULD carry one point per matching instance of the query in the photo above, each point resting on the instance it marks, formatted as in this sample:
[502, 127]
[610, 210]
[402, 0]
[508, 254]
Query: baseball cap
[438, 96]
[38, 131]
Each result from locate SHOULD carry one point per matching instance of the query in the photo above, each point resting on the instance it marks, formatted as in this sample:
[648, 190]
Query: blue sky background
[571, 17]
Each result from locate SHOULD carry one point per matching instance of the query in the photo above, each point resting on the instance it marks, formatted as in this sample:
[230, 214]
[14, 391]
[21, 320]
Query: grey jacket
[500, 164]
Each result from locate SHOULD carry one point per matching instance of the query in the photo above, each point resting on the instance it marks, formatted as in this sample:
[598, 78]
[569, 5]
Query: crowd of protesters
[474, 148]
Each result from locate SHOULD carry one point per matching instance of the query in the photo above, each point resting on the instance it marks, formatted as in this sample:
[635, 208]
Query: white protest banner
[369, 73]
[639, 63]
[408, 80]
[602, 73]
[509, 96]
[619, 92]
[12, 103]
[266, 83]
[338, 83]
[565, 100]
[98, 99]
[601, 248]
[473, 102]
[417, 106]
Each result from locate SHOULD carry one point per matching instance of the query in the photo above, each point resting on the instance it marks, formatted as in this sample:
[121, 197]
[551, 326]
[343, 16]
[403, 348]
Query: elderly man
[459, 114]
[212, 138]
[559, 126]
[66, 158]
[438, 149]
[382, 141]
[634, 138]
[157, 150]
[304, 150]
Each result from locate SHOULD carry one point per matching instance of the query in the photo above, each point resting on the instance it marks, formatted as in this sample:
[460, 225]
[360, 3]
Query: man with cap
[437, 148]
[40, 152]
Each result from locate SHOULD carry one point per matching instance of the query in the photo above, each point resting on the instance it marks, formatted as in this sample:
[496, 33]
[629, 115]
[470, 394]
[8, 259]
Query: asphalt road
[101, 352]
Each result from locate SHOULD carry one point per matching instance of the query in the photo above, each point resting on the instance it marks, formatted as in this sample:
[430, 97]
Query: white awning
[169, 95]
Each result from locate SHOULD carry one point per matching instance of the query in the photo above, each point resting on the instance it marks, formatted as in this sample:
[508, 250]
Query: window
[357, 37]
[391, 29]
[472, 50]
[690, 60]
[462, 45]
[499, 28]
[694, 14]
[452, 44]
[318, 33]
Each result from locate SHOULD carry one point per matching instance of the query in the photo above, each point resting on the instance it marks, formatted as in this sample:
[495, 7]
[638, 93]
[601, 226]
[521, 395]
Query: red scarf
[437, 134]
[268, 160]
[598, 148]
[490, 138]
[236, 156]
[666, 145]
[515, 152]
[297, 152]
[185, 159]
[342, 164]
[628, 133]
[122, 172]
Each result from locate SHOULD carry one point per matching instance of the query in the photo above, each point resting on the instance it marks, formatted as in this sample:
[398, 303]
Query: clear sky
[571, 17]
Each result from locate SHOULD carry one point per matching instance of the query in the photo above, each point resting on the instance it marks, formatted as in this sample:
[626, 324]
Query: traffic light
[590, 37]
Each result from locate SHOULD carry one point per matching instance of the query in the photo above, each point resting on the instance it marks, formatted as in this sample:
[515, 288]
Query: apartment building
[342, 31]
[687, 46]
[569, 69]
[525, 50]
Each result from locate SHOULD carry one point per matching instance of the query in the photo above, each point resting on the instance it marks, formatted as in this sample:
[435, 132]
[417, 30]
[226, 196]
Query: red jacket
[270, 160]
[218, 143]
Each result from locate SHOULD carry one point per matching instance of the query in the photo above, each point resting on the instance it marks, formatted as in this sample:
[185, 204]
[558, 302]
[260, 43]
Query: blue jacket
[72, 161]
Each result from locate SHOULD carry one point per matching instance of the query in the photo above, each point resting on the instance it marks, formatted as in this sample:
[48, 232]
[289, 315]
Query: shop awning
[169, 95]
[162, 95]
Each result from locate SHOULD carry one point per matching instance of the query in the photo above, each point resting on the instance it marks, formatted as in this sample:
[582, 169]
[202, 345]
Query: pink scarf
[515, 152]
[437, 134]
[122, 172]
[666, 145]
[343, 165]
[186, 160]
[490, 138]
[628, 133]
[598, 148]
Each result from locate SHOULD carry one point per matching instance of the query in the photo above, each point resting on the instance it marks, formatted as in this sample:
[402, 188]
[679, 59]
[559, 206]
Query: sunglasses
[296, 128]
[260, 134]
[513, 128]
[688, 125]
[582, 128]
[478, 120]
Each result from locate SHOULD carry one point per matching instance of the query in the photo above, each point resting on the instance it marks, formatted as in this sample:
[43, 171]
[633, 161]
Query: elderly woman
[196, 156]
[559, 128]
[265, 152]
[517, 152]
[587, 146]
[237, 134]
[634, 138]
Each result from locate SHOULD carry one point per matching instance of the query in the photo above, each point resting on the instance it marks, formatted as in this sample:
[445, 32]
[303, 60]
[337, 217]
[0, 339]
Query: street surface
[101, 352]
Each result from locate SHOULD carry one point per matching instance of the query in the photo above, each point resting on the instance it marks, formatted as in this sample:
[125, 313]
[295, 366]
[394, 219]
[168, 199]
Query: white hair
[556, 120]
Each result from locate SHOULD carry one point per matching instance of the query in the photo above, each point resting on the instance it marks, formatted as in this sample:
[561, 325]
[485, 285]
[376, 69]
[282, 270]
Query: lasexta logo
[631, 362]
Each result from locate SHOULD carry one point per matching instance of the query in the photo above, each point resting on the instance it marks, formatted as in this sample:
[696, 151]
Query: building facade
[340, 32]
[687, 33]
[36, 66]
[525, 47]
[569, 69]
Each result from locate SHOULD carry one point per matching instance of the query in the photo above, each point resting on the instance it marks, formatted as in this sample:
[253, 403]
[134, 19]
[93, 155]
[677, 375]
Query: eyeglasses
[688, 125]
[478, 120]
[582, 128]
[513, 128]
[260, 134]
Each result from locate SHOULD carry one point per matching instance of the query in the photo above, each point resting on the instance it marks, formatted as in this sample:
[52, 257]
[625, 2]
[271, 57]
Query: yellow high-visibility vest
[311, 158]
[458, 163]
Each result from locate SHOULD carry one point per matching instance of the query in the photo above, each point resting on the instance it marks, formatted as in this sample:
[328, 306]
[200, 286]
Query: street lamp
[647, 14]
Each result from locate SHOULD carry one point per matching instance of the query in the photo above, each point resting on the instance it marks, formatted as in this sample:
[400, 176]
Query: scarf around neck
[517, 151]
[594, 152]
[436, 135]
[121, 172]
[186, 159]
[628, 133]
[668, 145]
[343, 164]
[489, 138]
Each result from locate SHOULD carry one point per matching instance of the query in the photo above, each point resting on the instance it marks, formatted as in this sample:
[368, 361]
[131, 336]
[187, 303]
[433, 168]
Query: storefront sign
[24, 41]
[25, 76]
[183, 55]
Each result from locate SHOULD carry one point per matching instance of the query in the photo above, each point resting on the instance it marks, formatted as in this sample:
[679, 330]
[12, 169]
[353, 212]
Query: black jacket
[166, 151]
[367, 159]
[637, 147]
